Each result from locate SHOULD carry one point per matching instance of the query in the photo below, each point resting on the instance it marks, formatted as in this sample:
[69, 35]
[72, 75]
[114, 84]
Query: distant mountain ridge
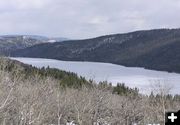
[153, 49]
[10, 43]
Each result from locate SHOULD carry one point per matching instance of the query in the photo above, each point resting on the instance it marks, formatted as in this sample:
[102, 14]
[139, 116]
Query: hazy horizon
[86, 19]
[81, 38]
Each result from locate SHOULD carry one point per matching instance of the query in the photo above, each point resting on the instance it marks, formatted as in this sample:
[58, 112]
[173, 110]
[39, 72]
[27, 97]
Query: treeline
[169, 97]
[65, 79]
[119, 89]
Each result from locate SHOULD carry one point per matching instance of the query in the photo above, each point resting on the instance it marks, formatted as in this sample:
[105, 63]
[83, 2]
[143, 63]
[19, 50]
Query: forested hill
[65, 79]
[154, 49]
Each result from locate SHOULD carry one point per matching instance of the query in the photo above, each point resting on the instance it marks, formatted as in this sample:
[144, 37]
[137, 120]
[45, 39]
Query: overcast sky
[86, 18]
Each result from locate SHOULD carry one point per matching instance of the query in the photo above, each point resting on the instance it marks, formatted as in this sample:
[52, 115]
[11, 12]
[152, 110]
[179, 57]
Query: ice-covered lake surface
[141, 78]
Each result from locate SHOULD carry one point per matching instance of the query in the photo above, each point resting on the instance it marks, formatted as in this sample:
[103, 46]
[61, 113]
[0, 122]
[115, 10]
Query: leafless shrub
[36, 101]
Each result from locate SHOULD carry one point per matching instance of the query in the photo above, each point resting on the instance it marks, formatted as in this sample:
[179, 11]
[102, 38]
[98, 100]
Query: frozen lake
[133, 77]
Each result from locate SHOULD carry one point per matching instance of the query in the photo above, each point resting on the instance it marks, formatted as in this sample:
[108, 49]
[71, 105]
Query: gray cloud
[86, 18]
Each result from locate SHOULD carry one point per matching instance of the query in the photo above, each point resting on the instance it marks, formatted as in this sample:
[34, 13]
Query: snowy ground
[134, 77]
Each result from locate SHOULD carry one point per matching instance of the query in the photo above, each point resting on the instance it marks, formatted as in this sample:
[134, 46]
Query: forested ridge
[153, 49]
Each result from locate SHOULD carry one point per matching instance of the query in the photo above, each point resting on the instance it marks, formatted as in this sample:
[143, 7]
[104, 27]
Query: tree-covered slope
[65, 79]
[153, 49]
